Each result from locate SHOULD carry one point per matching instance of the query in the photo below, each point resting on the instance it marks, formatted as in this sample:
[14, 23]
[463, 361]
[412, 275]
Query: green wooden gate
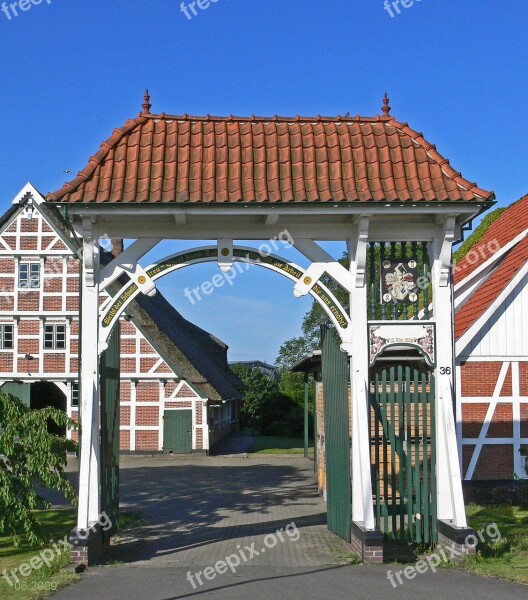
[337, 433]
[110, 376]
[403, 452]
[177, 431]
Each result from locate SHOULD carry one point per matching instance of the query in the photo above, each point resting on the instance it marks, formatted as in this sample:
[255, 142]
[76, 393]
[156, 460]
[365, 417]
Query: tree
[265, 408]
[297, 348]
[30, 457]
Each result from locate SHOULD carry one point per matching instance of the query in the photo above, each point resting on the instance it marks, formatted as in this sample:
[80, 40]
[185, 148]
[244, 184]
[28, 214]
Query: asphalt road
[127, 582]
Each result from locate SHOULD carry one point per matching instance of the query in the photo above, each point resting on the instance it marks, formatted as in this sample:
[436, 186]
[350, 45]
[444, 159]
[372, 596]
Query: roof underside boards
[183, 159]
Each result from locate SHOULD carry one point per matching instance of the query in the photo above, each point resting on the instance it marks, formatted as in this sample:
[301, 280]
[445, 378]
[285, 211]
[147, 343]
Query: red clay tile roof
[488, 292]
[508, 226]
[158, 158]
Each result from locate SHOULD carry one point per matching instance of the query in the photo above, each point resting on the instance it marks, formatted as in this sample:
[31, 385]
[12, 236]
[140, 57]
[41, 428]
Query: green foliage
[477, 235]
[30, 457]
[265, 408]
[292, 385]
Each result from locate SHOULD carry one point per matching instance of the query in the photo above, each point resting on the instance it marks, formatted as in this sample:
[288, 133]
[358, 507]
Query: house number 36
[445, 370]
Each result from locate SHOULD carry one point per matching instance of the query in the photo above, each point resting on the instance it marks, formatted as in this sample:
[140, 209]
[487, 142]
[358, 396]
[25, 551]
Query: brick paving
[197, 510]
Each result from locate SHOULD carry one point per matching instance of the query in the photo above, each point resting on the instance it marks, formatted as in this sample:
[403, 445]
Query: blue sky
[73, 70]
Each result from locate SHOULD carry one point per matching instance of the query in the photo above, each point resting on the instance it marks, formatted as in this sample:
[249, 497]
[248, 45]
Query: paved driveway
[199, 511]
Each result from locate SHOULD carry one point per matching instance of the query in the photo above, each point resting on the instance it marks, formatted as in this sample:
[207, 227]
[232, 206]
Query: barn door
[337, 433]
[403, 452]
[177, 431]
[110, 376]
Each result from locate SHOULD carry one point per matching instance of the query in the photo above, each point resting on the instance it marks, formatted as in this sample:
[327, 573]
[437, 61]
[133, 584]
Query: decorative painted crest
[398, 281]
[418, 335]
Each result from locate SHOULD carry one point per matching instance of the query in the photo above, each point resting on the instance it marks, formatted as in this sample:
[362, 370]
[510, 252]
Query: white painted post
[362, 506]
[89, 490]
[450, 500]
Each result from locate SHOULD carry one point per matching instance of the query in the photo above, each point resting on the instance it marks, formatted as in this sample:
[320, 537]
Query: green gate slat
[335, 369]
[393, 453]
[425, 488]
[432, 408]
[110, 419]
[417, 481]
[401, 457]
[383, 405]
[382, 258]
[408, 447]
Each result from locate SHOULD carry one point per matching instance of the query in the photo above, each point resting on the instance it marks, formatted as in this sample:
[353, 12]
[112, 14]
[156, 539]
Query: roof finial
[386, 108]
[146, 104]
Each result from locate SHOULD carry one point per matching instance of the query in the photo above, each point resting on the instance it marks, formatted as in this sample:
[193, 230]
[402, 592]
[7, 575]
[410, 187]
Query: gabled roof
[511, 224]
[186, 159]
[29, 194]
[192, 353]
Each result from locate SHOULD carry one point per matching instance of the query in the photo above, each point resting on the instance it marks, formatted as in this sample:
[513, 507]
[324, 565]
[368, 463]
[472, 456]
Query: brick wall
[489, 440]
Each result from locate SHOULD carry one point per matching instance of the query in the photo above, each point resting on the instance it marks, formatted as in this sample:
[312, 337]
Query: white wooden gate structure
[357, 180]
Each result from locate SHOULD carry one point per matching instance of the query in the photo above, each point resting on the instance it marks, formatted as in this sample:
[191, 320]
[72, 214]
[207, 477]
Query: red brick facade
[492, 408]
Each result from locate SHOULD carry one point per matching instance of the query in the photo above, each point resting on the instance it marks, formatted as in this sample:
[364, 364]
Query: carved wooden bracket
[90, 254]
[225, 254]
[361, 252]
[446, 251]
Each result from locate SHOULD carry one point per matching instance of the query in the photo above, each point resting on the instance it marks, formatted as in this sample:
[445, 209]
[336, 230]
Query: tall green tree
[265, 408]
[30, 457]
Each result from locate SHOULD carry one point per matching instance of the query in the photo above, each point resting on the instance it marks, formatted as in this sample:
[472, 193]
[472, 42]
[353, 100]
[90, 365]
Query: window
[54, 337]
[29, 275]
[75, 394]
[6, 337]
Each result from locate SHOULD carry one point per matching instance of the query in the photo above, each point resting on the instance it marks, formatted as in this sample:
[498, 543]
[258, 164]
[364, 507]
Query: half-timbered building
[177, 393]
[491, 332]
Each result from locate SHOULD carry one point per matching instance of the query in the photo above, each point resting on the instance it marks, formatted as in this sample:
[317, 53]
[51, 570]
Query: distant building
[269, 371]
[174, 375]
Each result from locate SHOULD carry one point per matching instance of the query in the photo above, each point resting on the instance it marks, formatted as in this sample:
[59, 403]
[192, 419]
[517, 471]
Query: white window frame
[74, 397]
[56, 336]
[3, 327]
[31, 279]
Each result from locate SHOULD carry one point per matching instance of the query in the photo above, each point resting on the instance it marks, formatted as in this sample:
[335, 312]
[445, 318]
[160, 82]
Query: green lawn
[269, 444]
[506, 558]
[42, 581]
